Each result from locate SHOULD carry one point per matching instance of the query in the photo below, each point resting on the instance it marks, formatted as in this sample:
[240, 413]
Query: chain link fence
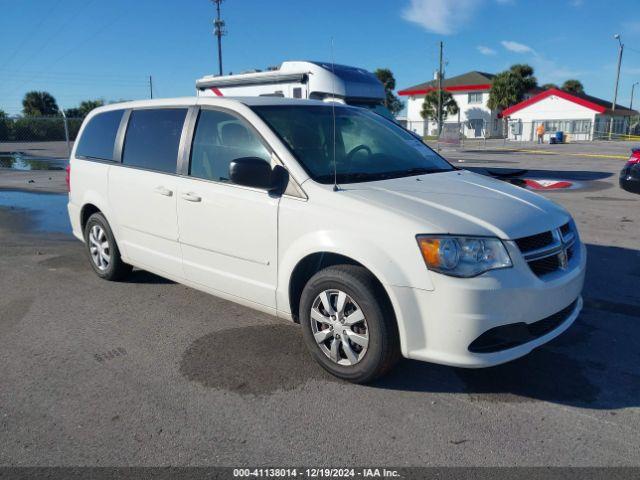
[38, 129]
[474, 132]
[473, 129]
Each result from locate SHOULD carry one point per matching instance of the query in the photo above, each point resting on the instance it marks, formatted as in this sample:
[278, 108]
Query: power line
[632, 49]
[70, 74]
[56, 32]
[75, 46]
[28, 36]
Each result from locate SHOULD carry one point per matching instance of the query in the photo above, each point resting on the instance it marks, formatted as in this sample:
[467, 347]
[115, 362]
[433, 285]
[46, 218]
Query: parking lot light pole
[615, 92]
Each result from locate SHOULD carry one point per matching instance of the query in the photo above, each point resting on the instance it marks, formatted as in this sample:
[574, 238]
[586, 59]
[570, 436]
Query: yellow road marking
[547, 152]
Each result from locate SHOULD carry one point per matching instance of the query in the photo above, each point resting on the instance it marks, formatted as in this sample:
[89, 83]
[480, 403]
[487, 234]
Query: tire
[363, 293]
[102, 250]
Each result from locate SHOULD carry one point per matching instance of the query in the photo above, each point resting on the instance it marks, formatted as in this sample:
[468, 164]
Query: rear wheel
[348, 324]
[104, 255]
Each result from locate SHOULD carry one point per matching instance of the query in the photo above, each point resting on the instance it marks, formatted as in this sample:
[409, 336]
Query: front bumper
[439, 326]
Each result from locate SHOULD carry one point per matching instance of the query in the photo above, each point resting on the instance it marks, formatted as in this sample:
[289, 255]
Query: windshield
[367, 146]
[376, 107]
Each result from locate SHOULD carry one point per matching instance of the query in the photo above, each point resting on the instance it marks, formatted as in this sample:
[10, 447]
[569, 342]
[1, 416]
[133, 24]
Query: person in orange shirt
[540, 132]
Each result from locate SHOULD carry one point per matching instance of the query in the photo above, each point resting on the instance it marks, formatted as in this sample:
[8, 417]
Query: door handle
[163, 191]
[191, 197]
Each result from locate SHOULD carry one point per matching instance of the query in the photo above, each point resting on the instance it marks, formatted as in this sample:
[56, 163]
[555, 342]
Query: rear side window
[153, 138]
[99, 136]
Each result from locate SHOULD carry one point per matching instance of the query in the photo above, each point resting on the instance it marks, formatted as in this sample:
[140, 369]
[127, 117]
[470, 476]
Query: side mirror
[250, 172]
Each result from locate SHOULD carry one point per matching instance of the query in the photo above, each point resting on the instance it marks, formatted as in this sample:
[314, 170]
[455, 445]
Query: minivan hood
[463, 203]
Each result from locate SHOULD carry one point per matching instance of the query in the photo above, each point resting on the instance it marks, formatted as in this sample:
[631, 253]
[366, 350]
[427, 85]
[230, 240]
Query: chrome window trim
[186, 140]
[118, 146]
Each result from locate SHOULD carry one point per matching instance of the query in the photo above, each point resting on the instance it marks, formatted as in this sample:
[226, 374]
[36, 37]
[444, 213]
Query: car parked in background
[630, 173]
[331, 216]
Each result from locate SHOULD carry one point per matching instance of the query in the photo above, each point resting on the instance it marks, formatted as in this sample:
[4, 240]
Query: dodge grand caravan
[330, 216]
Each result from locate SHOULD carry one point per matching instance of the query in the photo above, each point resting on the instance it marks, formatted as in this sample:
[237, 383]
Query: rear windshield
[363, 146]
[99, 136]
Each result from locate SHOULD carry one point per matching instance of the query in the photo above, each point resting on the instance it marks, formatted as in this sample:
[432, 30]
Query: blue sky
[79, 49]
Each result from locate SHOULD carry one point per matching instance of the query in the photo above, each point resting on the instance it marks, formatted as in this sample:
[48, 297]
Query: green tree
[573, 86]
[4, 126]
[430, 105]
[509, 87]
[83, 109]
[549, 86]
[39, 104]
[393, 103]
[526, 73]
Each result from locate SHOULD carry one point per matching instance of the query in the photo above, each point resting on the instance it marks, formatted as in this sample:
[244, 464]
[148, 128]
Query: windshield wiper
[355, 177]
[421, 171]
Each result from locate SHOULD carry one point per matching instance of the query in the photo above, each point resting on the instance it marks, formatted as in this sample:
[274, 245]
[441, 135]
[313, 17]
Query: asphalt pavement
[150, 372]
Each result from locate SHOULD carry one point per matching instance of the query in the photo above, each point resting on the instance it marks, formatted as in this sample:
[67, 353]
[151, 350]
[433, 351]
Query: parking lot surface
[149, 372]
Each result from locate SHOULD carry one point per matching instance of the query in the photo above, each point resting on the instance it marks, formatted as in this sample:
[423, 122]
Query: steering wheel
[355, 150]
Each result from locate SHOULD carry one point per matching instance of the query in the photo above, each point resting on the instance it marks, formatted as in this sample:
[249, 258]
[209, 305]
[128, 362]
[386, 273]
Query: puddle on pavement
[255, 360]
[47, 211]
[21, 161]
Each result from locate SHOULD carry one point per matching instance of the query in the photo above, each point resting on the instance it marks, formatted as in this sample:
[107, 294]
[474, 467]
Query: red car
[630, 174]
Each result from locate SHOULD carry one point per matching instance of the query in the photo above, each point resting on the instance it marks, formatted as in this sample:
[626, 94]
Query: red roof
[467, 81]
[457, 88]
[587, 101]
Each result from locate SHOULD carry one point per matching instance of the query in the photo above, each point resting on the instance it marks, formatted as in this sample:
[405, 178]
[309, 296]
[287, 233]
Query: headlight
[463, 256]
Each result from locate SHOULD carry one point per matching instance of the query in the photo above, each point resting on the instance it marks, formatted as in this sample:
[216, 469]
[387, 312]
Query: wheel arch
[86, 211]
[314, 262]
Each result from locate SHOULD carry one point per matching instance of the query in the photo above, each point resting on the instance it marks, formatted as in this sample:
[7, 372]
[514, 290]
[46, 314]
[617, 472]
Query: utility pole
[632, 89]
[219, 31]
[615, 92]
[440, 93]
[150, 86]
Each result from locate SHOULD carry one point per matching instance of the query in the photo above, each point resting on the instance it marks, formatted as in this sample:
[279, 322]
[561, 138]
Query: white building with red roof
[471, 93]
[578, 116]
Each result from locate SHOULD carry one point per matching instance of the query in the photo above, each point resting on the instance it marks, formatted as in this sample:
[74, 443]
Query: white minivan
[330, 216]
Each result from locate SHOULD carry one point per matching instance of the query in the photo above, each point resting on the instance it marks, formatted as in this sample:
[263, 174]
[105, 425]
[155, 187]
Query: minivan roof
[186, 101]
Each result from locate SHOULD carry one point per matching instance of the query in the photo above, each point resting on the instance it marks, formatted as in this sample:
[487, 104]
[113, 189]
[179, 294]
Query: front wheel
[348, 324]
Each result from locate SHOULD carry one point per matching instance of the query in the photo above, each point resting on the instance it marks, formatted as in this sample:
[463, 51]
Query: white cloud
[517, 47]
[440, 16]
[486, 50]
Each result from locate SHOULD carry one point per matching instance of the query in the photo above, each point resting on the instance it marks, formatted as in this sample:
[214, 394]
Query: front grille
[565, 229]
[548, 252]
[534, 242]
[545, 265]
[516, 334]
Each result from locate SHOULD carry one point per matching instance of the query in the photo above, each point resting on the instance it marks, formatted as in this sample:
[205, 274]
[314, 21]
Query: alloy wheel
[99, 247]
[339, 327]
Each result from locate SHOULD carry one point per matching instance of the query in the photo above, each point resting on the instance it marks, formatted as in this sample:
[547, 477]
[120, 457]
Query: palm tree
[430, 105]
[573, 86]
[526, 73]
[509, 87]
[38, 104]
[393, 103]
